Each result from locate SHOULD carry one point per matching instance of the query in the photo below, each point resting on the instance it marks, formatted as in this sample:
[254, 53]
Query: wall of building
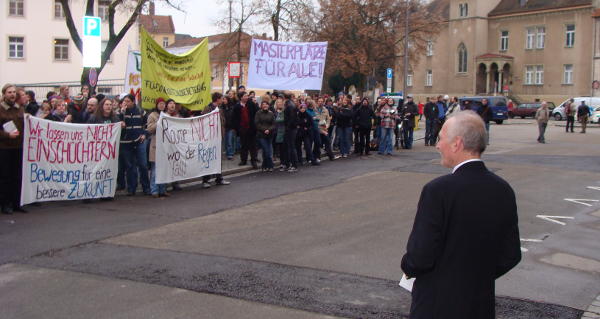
[40, 28]
[553, 56]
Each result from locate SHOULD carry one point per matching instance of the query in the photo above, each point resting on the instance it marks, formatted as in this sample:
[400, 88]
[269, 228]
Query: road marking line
[523, 249]
[594, 187]
[581, 200]
[553, 218]
[531, 240]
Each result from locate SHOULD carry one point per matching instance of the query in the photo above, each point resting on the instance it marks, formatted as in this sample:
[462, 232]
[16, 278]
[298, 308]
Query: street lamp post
[406, 40]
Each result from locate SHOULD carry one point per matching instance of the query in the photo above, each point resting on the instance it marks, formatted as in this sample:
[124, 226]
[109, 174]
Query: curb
[593, 311]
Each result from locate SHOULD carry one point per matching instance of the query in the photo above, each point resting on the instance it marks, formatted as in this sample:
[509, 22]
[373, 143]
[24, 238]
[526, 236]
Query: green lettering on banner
[183, 78]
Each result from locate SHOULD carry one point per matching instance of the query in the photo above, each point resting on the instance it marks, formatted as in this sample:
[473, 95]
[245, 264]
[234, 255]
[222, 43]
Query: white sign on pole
[133, 75]
[286, 65]
[187, 147]
[64, 161]
[92, 42]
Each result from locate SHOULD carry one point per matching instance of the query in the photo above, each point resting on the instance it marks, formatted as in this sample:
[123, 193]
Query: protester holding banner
[230, 138]
[265, 126]
[279, 140]
[291, 130]
[11, 150]
[134, 145]
[217, 102]
[157, 190]
[104, 114]
[243, 120]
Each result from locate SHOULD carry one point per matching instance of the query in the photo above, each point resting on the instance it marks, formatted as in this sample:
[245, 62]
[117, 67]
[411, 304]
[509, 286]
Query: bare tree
[133, 6]
[282, 15]
[367, 36]
[241, 14]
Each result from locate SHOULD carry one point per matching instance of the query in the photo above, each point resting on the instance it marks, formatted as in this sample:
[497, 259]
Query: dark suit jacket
[465, 235]
[237, 117]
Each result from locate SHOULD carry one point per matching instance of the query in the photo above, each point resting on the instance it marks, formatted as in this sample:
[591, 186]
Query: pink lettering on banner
[286, 65]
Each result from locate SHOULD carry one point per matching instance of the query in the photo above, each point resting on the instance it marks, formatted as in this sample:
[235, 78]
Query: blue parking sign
[91, 26]
[390, 73]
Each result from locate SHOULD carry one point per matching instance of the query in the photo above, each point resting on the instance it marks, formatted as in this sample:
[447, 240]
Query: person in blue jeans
[344, 126]
[388, 122]
[230, 135]
[265, 126]
[134, 146]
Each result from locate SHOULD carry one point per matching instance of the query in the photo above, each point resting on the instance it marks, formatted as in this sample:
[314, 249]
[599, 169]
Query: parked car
[528, 109]
[498, 104]
[559, 112]
[595, 118]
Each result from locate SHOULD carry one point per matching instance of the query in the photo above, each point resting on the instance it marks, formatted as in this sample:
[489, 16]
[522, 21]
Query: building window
[529, 71]
[16, 8]
[103, 9]
[61, 49]
[529, 39]
[570, 35]
[539, 74]
[165, 42]
[106, 90]
[409, 79]
[568, 77]
[58, 10]
[503, 40]
[463, 9]
[429, 48]
[541, 37]
[104, 43]
[462, 58]
[429, 78]
[16, 47]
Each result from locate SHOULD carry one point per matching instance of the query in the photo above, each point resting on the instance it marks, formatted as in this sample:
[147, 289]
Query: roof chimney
[151, 8]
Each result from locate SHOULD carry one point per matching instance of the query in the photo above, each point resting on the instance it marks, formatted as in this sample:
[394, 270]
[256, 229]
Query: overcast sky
[199, 18]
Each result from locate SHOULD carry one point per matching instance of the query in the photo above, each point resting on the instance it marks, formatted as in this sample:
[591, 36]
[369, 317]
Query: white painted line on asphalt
[532, 240]
[581, 200]
[553, 218]
[523, 249]
[594, 187]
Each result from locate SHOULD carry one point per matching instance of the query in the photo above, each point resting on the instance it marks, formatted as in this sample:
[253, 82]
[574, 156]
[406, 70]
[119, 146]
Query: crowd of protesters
[295, 130]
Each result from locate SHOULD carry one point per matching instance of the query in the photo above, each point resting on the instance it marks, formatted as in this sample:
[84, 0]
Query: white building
[36, 46]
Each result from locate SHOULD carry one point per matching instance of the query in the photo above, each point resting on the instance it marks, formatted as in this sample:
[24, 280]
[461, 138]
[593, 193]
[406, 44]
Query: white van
[559, 112]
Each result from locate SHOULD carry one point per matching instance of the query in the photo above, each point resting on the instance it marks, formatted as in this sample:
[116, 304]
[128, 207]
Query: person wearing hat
[76, 110]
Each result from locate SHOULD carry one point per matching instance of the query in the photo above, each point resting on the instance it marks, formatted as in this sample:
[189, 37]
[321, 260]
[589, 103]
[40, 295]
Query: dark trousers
[407, 135]
[429, 131]
[364, 140]
[356, 133]
[10, 177]
[571, 122]
[325, 141]
[136, 165]
[267, 151]
[306, 139]
[542, 129]
[282, 150]
[248, 141]
[290, 145]
[317, 145]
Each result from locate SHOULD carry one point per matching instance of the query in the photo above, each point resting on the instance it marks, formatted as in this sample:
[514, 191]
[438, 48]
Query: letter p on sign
[91, 26]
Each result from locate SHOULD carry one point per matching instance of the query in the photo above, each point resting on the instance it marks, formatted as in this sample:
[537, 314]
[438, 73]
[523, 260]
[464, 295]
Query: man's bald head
[469, 126]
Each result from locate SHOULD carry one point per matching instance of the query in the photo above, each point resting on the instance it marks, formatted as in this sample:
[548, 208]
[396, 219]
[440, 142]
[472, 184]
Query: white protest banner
[286, 65]
[133, 75]
[63, 161]
[187, 147]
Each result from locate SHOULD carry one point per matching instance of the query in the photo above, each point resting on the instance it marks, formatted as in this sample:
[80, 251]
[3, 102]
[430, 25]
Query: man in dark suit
[465, 234]
[243, 121]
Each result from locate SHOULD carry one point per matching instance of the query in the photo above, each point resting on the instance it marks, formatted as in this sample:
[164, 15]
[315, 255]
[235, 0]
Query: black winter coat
[363, 117]
[343, 117]
[431, 111]
[290, 115]
[412, 109]
[305, 124]
[465, 236]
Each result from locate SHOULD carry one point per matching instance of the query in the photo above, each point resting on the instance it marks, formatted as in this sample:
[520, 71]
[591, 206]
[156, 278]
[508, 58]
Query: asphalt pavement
[320, 243]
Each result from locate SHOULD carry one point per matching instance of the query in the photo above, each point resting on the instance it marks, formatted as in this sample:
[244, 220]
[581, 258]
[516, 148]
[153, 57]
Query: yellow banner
[183, 78]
